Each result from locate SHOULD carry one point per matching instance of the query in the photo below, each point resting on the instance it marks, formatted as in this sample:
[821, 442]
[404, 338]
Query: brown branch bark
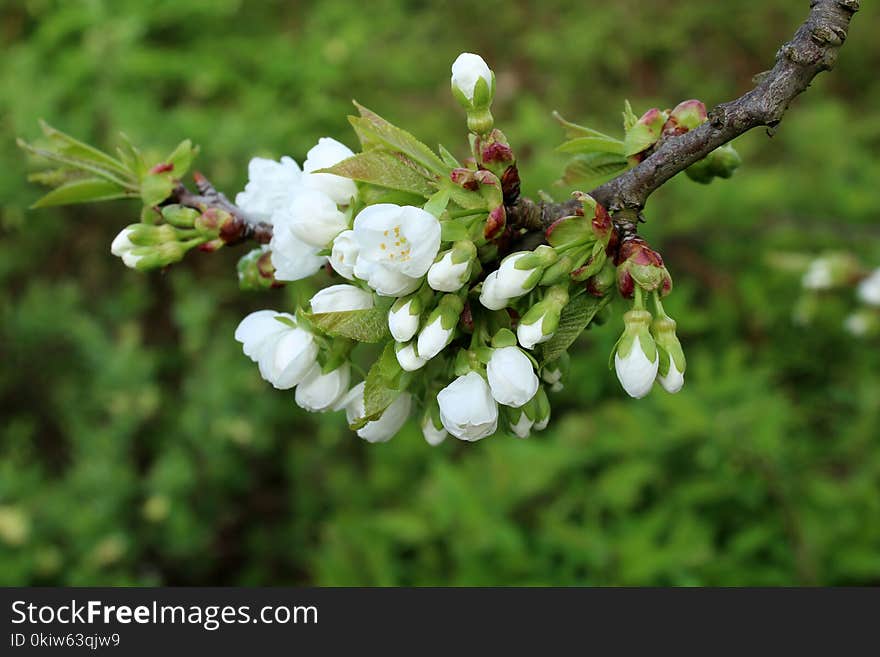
[813, 49]
[208, 197]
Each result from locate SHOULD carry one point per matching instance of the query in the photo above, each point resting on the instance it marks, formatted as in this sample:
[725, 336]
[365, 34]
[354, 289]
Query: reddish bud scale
[603, 227]
[510, 184]
[635, 256]
[464, 178]
[495, 223]
[496, 153]
[163, 167]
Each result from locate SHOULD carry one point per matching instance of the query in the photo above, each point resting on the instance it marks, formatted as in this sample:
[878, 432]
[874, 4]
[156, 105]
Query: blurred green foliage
[138, 446]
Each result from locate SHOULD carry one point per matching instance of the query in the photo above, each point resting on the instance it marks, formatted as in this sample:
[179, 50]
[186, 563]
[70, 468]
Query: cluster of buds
[174, 231]
[649, 349]
[642, 135]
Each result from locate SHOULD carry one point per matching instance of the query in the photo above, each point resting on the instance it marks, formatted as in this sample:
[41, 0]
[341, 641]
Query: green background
[139, 446]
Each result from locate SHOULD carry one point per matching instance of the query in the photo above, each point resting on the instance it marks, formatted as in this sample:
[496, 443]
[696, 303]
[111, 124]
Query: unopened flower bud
[341, 298]
[255, 270]
[511, 376]
[542, 410]
[407, 357]
[453, 268]
[540, 322]
[686, 116]
[638, 264]
[645, 133]
[403, 318]
[635, 356]
[432, 426]
[179, 215]
[720, 163]
[670, 372]
[473, 85]
[520, 423]
[439, 327]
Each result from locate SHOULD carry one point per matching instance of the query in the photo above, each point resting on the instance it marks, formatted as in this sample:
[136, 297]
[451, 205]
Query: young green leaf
[592, 145]
[369, 325]
[155, 188]
[82, 191]
[383, 384]
[575, 317]
[75, 149]
[592, 169]
[384, 169]
[376, 132]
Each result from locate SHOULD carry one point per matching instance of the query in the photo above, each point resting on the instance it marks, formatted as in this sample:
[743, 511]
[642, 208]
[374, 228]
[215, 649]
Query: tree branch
[208, 197]
[813, 49]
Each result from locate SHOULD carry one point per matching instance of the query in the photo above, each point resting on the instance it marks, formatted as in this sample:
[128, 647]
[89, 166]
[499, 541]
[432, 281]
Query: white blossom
[635, 372]
[467, 408]
[320, 392]
[284, 353]
[325, 154]
[467, 69]
[344, 254]
[292, 258]
[314, 218]
[396, 247]
[383, 429]
[341, 298]
[271, 186]
[512, 378]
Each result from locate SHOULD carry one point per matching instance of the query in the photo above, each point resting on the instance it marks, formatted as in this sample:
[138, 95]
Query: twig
[813, 49]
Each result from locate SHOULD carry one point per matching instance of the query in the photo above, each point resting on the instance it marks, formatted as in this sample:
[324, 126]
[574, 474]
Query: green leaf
[575, 317]
[82, 191]
[182, 157]
[384, 169]
[369, 325]
[462, 197]
[76, 164]
[383, 383]
[569, 230]
[638, 138]
[155, 188]
[574, 131]
[450, 160]
[453, 231]
[592, 145]
[376, 132]
[75, 149]
[629, 117]
[592, 169]
[436, 205]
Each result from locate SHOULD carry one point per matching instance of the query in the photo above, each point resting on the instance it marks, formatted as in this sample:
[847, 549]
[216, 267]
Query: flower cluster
[475, 333]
